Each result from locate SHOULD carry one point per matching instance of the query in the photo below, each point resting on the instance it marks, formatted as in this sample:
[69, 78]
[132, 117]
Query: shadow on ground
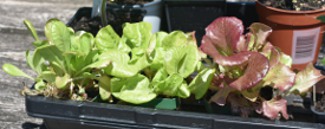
[30, 125]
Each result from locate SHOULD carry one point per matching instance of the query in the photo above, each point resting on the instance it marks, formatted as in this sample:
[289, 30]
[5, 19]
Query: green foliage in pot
[247, 64]
[135, 68]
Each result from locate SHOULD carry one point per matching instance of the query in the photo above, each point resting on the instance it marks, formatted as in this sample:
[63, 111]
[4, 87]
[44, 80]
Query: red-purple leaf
[220, 97]
[272, 108]
[233, 60]
[208, 48]
[237, 59]
[306, 78]
[256, 70]
[217, 81]
[242, 44]
[224, 33]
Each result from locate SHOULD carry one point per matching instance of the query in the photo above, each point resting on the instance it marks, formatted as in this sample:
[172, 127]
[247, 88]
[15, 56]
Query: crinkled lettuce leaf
[134, 89]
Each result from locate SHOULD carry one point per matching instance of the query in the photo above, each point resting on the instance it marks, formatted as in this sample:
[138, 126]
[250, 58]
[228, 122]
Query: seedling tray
[67, 114]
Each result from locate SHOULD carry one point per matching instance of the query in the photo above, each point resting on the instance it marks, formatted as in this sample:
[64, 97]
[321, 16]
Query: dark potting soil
[298, 5]
[115, 17]
[87, 24]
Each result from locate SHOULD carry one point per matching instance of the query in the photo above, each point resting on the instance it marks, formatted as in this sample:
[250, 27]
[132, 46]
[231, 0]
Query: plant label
[304, 45]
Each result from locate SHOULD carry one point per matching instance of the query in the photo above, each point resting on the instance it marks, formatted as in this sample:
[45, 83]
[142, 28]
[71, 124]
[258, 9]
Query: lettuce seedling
[145, 65]
[64, 62]
[135, 68]
[247, 64]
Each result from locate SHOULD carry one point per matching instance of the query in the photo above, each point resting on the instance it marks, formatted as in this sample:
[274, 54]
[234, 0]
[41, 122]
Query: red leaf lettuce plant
[245, 64]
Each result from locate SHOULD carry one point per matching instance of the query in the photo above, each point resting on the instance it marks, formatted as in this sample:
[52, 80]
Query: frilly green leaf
[133, 90]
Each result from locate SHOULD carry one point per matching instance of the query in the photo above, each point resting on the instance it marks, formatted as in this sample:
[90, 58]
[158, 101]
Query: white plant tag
[155, 21]
[304, 45]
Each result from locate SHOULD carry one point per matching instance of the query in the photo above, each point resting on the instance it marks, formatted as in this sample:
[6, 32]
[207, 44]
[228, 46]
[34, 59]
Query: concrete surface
[14, 41]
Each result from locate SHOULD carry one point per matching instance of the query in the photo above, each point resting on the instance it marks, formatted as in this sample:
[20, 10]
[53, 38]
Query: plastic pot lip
[152, 3]
[289, 11]
[241, 2]
[312, 108]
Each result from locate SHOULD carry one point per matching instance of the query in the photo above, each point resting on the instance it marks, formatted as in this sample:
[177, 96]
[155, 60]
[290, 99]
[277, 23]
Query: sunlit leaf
[223, 34]
[107, 39]
[280, 77]
[104, 87]
[200, 84]
[121, 65]
[14, 71]
[32, 29]
[134, 90]
[181, 60]
[137, 34]
[272, 108]
[61, 82]
[261, 32]
[40, 85]
[58, 34]
[48, 76]
[174, 39]
[256, 70]
[306, 78]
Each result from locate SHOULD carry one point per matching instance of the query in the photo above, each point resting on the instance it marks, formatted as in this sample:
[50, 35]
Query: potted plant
[296, 30]
[117, 13]
[88, 79]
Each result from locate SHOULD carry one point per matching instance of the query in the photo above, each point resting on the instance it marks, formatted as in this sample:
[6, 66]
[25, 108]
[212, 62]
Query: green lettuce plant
[247, 64]
[135, 67]
[63, 62]
[146, 65]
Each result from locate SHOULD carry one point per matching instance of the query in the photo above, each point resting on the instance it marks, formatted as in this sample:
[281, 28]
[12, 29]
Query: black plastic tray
[192, 15]
[65, 114]
[246, 11]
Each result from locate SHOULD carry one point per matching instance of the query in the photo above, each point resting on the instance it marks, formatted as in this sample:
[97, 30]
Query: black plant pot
[66, 114]
[319, 116]
[245, 11]
[192, 15]
[117, 15]
[318, 108]
[319, 90]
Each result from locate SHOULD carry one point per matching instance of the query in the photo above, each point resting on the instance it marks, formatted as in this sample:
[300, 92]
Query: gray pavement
[14, 41]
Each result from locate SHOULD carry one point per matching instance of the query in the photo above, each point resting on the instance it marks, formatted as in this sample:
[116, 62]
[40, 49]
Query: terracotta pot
[297, 33]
